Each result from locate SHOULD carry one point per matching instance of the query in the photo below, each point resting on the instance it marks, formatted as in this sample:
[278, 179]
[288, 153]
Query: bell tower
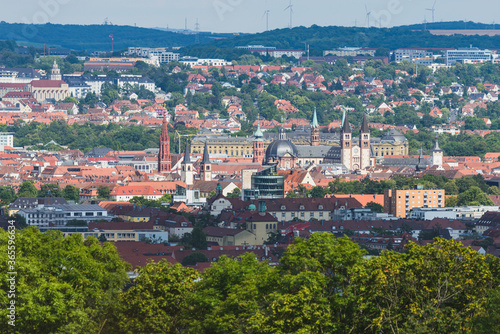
[346, 144]
[164, 159]
[364, 144]
[258, 146]
[206, 166]
[315, 130]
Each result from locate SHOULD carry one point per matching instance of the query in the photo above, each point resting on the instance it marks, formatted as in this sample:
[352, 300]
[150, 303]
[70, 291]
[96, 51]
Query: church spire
[164, 159]
[314, 123]
[364, 125]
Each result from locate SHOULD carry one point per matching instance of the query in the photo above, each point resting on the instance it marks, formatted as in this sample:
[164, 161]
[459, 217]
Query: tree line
[321, 285]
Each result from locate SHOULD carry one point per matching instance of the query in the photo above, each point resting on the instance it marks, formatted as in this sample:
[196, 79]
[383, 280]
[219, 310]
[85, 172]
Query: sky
[246, 16]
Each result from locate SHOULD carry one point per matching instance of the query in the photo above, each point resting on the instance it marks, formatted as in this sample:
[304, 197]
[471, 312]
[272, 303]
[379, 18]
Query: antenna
[367, 16]
[186, 24]
[197, 32]
[112, 43]
[425, 23]
[433, 9]
[290, 7]
[266, 14]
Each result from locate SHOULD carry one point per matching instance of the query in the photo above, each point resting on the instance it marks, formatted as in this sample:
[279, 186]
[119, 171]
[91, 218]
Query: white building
[458, 212]
[60, 214]
[6, 139]
[193, 61]
[469, 55]
[160, 54]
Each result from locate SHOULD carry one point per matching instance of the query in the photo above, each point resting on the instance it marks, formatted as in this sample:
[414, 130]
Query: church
[353, 154]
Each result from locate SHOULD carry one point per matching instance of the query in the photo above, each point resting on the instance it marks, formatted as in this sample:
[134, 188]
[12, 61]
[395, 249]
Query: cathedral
[354, 154]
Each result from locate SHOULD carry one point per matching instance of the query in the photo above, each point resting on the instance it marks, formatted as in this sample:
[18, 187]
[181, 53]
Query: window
[301, 207]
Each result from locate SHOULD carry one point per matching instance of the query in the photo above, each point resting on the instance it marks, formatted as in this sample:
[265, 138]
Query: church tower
[364, 144]
[258, 146]
[164, 159]
[206, 166]
[315, 130]
[187, 168]
[55, 73]
[346, 144]
[437, 155]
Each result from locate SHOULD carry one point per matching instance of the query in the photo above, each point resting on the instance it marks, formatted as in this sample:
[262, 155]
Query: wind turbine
[433, 9]
[266, 14]
[290, 7]
[367, 16]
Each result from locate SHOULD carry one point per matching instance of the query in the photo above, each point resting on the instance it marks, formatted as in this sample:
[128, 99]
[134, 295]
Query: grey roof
[313, 151]
[392, 136]
[346, 128]
[97, 152]
[31, 202]
[279, 148]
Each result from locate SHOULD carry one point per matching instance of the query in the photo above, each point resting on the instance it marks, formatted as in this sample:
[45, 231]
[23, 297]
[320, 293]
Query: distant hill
[325, 38]
[453, 25]
[96, 37]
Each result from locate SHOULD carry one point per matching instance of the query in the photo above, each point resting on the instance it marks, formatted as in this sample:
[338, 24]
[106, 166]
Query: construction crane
[178, 135]
[289, 234]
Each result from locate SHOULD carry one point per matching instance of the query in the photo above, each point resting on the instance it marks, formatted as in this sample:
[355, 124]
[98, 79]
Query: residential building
[350, 52]
[416, 56]
[61, 214]
[160, 54]
[193, 61]
[6, 139]
[399, 202]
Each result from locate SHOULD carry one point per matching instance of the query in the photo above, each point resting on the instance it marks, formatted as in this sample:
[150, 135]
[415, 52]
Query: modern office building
[266, 184]
[469, 55]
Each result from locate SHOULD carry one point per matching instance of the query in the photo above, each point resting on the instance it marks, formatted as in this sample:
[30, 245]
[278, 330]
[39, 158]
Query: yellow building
[399, 202]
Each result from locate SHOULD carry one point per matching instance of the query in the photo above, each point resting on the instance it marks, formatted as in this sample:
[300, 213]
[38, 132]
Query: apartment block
[399, 202]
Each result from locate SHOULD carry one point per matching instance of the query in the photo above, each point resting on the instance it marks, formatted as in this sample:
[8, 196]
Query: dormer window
[320, 207]
[283, 207]
[301, 207]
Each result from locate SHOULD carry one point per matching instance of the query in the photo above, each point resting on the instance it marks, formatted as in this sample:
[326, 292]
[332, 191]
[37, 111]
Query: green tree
[437, 288]
[71, 193]
[236, 193]
[318, 192]
[67, 285]
[157, 303]
[194, 258]
[50, 190]
[375, 207]
[27, 189]
[103, 191]
[474, 196]
[7, 195]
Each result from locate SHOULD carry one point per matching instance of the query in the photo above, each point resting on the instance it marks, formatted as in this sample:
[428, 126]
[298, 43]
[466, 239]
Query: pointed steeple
[258, 134]
[206, 155]
[436, 145]
[187, 156]
[314, 123]
[346, 128]
[364, 125]
[343, 117]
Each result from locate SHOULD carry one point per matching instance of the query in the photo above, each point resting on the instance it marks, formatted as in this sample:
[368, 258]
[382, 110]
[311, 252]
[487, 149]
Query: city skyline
[247, 17]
